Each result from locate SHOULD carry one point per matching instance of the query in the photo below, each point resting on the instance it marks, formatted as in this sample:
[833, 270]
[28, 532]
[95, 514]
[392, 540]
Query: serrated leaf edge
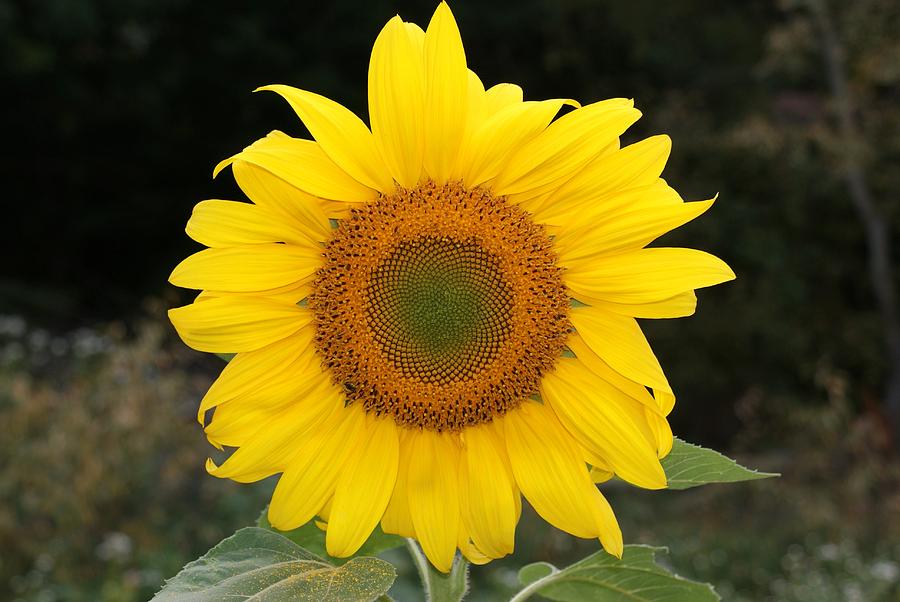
[750, 473]
[559, 574]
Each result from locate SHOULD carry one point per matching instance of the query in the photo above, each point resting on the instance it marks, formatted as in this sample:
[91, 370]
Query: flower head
[436, 315]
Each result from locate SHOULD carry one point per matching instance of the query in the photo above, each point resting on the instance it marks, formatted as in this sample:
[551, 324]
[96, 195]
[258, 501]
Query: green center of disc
[439, 308]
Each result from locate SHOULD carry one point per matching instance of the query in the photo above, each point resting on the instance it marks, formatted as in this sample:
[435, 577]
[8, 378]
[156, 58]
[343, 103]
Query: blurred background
[113, 113]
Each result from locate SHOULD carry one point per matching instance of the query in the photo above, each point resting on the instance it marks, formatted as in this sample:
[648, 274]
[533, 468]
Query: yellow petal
[565, 146]
[276, 195]
[433, 489]
[292, 293]
[654, 195]
[364, 488]
[474, 120]
[469, 549]
[303, 164]
[549, 469]
[636, 165]
[591, 457]
[610, 533]
[417, 35]
[251, 268]
[534, 199]
[657, 406]
[660, 403]
[324, 513]
[501, 96]
[602, 370]
[600, 474]
[662, 432]
[646, 275]
[490, 508]
[267, 437]
[341, 134]
[216, 223]
[625, 232]
[476, 102]
[679, 306]
[237, 324]
[233, 425]
[665, 399]
[268, 376]
[446, 93]
[396, 518]
[397, 101]
[619, 342]
[310, 477]
[605, 421]
[504, 132]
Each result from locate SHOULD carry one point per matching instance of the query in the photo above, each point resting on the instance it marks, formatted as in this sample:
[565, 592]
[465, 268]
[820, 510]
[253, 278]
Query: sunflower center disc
[439, 306]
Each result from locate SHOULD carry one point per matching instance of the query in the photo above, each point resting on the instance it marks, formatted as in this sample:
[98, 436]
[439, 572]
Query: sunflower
[435, 315]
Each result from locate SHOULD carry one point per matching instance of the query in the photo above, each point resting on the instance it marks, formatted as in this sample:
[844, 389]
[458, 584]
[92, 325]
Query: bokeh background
[113, 113]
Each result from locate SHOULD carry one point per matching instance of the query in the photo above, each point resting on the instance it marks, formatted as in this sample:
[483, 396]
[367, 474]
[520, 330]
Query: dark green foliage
[689, 465]
[603, 578]
[260, 565]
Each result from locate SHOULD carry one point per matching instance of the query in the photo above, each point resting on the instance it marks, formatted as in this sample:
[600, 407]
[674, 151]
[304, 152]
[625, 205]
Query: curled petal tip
[222, 165]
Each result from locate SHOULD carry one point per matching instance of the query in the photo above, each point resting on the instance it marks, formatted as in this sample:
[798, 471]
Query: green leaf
[604, 578]
[537, 570]
[689, 465]
[312, 538]
[256, 565]
[227, 357]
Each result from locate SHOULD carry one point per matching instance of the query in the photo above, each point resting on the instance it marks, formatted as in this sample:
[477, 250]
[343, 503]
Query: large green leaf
[312, 538]
[689, 465]
[604, 578]
[257, 565]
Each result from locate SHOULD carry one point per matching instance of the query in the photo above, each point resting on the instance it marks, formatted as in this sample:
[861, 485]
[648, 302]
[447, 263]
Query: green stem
[438, 586]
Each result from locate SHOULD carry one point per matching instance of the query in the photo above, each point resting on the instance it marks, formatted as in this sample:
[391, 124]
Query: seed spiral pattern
[440, 306]
[439, 309]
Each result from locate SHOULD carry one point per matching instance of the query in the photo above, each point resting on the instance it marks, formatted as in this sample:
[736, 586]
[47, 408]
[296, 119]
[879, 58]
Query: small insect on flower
[436, 315]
